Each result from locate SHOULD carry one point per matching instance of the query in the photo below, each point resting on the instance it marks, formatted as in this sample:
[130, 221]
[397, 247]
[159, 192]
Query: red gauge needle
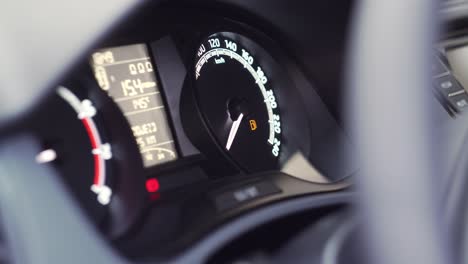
[233, 132]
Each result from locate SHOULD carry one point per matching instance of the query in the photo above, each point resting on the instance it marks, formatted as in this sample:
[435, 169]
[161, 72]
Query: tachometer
[75, 143]
[101, 151]
[237, 99]
[88, 141]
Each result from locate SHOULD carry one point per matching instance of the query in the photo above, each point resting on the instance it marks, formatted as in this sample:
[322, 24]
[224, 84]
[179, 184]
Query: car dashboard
[182, 119]
[216, 126]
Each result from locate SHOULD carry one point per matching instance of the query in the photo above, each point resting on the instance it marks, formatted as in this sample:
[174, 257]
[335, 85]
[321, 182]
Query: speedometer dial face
[237, 99]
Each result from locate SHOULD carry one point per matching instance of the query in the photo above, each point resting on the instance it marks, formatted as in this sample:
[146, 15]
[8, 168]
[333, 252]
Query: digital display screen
[127, 75]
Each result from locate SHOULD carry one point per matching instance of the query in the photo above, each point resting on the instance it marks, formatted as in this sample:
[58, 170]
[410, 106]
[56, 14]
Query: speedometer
[236, 96]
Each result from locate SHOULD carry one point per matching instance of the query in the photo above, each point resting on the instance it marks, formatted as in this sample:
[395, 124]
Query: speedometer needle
[233, 132]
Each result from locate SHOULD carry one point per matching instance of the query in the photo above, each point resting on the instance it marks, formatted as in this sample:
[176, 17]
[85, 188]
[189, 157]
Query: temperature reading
[141, 103]
[127, 75]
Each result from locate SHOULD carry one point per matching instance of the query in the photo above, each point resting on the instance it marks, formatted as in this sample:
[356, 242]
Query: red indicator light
[152, 185]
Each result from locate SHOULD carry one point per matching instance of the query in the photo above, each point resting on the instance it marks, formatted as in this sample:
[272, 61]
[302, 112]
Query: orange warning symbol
[253, 124]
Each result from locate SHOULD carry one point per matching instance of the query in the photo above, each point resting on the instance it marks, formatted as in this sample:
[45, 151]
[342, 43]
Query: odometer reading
[237, 100]
[127, 75]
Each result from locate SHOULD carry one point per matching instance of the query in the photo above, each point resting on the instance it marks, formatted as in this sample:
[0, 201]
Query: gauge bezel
[253, 58]
[294, 126]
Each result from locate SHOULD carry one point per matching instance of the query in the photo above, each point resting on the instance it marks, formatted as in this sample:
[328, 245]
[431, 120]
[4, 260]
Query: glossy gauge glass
[237, 99]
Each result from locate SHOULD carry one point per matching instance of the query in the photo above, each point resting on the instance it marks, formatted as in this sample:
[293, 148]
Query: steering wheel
[389, 116]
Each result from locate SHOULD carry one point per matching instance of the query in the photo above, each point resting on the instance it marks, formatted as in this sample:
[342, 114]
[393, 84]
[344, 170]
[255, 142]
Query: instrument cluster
[201, 118]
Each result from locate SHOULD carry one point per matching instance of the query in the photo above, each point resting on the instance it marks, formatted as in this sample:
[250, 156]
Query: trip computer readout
[127, 75]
